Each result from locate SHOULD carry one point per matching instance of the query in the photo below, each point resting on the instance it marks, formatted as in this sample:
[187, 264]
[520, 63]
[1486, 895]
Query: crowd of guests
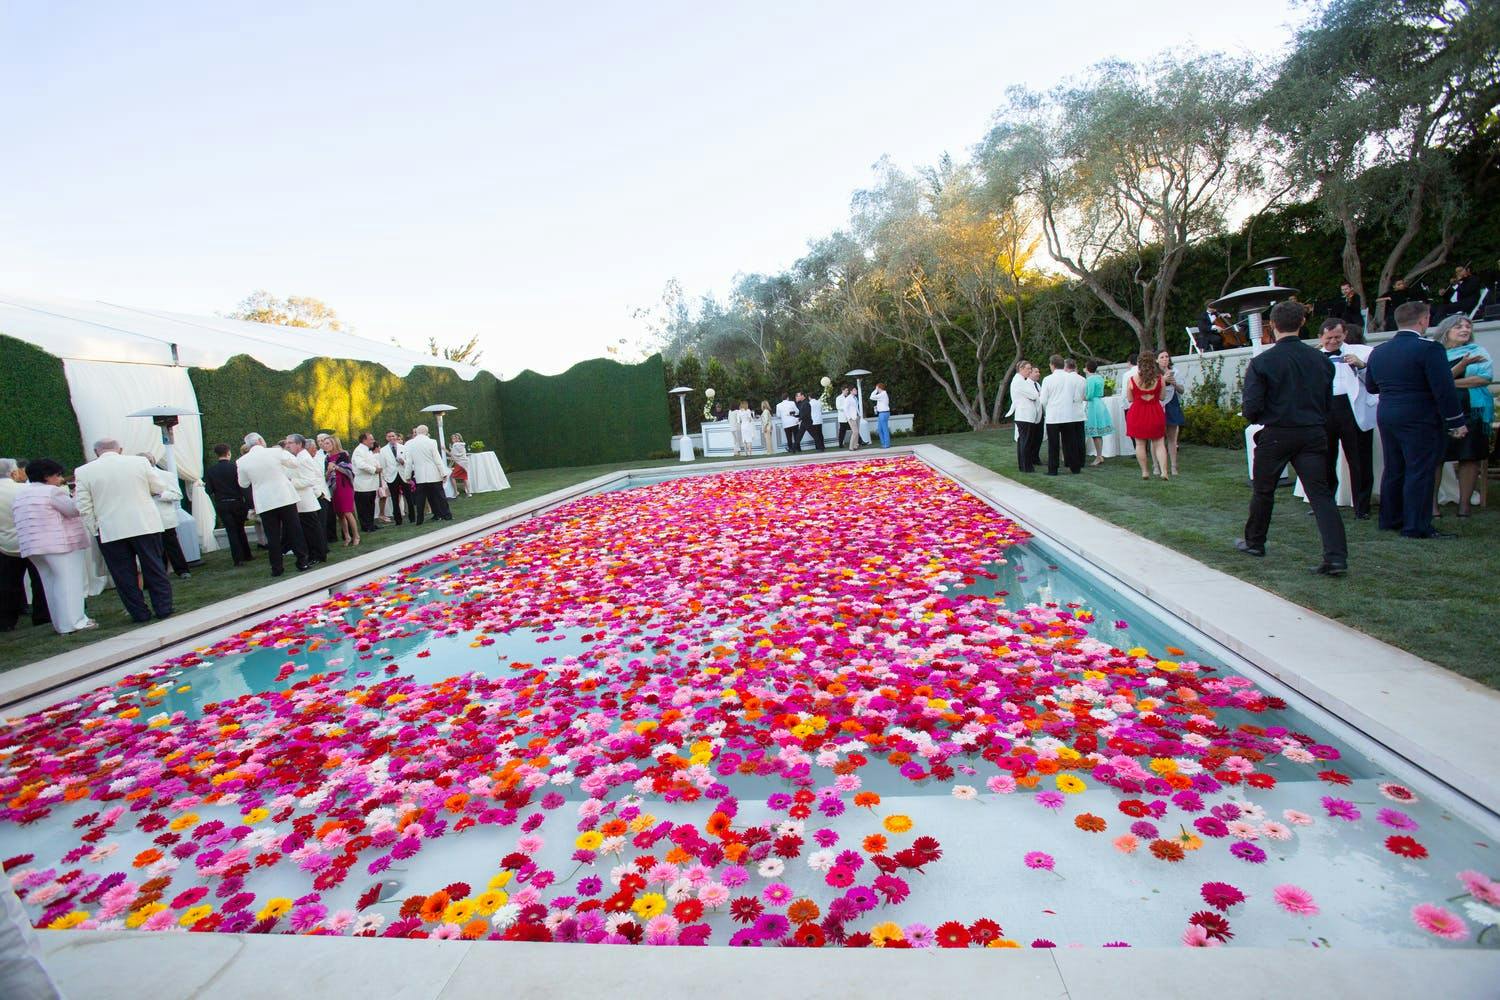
[800, 416]
[304, 495]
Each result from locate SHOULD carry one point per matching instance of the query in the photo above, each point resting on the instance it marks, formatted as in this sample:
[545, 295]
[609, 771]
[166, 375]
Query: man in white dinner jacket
[393, 470]
[1063, 411]
[267, 472]
[115, 495]
[1026, 408]
[366, 462]
[426, 468]
[310, 485]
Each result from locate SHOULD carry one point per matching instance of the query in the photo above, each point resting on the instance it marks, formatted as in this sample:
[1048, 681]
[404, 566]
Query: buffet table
[715, 438]
[1344, 495]
[485, 474]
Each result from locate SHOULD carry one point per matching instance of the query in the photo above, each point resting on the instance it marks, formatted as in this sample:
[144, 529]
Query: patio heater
[166, 417]
[1271, 264]
[440, 409]
[685, 443]
[1251, 302]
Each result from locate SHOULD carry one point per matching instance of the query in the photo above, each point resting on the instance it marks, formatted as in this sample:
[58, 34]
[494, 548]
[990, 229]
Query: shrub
[1213, 426]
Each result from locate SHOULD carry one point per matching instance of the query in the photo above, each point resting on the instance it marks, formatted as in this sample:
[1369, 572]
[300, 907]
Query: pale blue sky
[527, 172]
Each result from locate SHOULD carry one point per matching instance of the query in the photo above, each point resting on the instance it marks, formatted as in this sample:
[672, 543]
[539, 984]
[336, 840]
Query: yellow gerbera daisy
[898, 823]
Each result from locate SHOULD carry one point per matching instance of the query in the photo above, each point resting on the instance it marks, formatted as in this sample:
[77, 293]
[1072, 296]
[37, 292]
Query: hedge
[597, 411]
[36, 417]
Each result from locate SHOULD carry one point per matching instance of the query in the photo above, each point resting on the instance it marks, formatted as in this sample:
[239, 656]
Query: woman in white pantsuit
[52, 536]
[741, 424]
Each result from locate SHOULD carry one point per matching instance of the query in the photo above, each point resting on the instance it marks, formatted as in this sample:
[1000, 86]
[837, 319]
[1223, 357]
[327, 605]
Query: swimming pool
[680, 712]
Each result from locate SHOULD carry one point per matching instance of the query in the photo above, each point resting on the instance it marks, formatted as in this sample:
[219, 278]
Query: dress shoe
[1248, 549]
[160, 616]
[1431, 534]
[1330, 569]
[1362, 517]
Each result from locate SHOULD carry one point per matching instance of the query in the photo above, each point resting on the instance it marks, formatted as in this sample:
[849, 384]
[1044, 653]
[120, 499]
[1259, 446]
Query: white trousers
[64, 575]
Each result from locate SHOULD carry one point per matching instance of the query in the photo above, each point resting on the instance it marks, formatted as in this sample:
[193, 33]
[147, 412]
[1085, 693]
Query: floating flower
[1406, 847]
[1439, 922]
[1221, 895]
[1296, 900]
[897, 823]
[1039, 859]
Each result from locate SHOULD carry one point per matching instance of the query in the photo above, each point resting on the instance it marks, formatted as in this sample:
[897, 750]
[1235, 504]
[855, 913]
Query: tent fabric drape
[103, 392]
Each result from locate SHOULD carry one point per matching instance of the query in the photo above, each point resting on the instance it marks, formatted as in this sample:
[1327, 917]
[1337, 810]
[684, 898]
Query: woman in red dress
[1146, 418]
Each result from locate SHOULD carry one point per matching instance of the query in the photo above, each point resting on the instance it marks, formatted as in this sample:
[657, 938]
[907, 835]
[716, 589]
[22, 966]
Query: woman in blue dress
[1172, 403]
[1473, 371]
[1096, 422]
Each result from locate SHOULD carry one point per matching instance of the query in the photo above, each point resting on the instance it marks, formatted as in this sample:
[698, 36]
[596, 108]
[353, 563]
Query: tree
[261, 306]
[954, 256]
[467, 353]
[1134, 163]
[1368, 109]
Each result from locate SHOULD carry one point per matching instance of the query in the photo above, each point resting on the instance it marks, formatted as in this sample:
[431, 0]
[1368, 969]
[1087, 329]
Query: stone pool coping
[1435, 718]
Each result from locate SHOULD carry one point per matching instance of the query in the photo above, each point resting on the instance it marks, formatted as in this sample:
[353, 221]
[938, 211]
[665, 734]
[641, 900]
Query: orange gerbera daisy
[867, 800]
[1090, 823]
[433, 907]
[875, 844]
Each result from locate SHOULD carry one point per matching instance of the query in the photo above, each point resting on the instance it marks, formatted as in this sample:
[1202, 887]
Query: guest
[116, 495]
[310, 486]
[1473, 370]
[1343, 429]
[1460, 295]
[1171, 403]
[317, 449]
[787, 411]
[815, 421]
[341, 489]
[1097, 424]
[1026, 409]
[14, 567]
[882, 401]
[425, 467]
[267, 472]
[767, 427]
[1401, 293]
[1418, 404]
[52, 536]
[1063, 411]
[18, 472]
[1288, 390]
[166, 509]
[841, 402]
[367, 482]
[393, 469]
[221, 481]
[1145, 417]
[741, 422]
[458, 458]
[856, 420]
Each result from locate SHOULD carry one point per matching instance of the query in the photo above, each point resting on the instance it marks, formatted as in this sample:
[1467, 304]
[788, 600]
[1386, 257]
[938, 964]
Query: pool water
[775, 667]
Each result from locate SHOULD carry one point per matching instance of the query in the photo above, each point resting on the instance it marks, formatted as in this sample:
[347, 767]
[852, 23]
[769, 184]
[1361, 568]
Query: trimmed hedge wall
[344, 396]
[36, 418]
[597, 411]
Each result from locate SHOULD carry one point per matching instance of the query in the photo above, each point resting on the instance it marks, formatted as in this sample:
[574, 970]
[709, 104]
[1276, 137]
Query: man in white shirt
[790, 423]
[1344, 426]
[882, 402]
[849, 418]
[366, 462]
[426, 468]
[815, 415]
[1063, 411]
[393, 470]
[115, 497]
[267, 472]
[1026, 408]
[311, 487]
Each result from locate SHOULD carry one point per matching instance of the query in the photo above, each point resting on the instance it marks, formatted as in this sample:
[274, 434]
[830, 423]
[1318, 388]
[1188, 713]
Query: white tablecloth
[1115, 442]
[485, 474]
[1447, 482]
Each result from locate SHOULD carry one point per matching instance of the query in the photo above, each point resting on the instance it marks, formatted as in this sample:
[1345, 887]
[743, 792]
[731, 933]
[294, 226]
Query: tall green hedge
[344, 396]
[36, 417]
[597, 411]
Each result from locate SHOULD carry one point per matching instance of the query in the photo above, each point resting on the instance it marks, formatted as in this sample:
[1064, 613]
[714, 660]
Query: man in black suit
[221, 480]
[1460, 295]
[805, 421]
[1288, 389]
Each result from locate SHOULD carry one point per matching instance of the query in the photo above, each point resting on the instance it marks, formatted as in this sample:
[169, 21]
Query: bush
[1213, 426]
[36, 413]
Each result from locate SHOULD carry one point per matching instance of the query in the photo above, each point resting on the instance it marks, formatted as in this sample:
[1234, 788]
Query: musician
[1460, 295]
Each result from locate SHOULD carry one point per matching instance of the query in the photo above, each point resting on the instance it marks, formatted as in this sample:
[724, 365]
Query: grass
[1427, 597]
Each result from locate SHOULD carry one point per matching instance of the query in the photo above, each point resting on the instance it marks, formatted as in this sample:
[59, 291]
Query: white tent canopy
[102, 331]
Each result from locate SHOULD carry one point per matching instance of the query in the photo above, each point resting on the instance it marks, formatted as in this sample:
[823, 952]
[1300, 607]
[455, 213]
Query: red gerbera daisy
[1335, 778]
[1166, 850]
[1213, 924]
[1221, 895]
[1406, 847]
[952, 935]
[984, 930]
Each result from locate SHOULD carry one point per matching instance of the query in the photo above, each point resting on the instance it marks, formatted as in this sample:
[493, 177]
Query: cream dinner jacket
[116, 496]
[306, 480]
[267, 472]
[366, 469]
[1063, 398]
[424, 463]
[1025, 400]
[392, 466]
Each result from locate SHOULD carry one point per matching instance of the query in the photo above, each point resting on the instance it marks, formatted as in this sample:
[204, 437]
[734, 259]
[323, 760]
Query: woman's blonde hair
[765, 406]
[337, 444]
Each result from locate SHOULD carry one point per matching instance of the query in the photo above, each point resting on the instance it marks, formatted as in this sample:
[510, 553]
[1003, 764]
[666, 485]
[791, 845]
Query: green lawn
[1433, 598]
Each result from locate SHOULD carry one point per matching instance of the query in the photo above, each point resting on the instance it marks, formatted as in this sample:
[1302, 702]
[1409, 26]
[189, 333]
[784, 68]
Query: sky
[529, 173]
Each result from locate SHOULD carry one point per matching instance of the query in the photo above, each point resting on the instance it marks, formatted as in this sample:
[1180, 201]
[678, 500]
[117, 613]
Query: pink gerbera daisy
[1295, 899]
[1481, 887]
[1396, 819]
[1221, 895]
[1439, 922]
[1126, 843]
[1039, 859]
[1197, 937]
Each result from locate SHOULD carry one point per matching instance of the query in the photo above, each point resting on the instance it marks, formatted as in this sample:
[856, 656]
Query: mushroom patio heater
[1251, 302]
[1271, 264]
[166, 417]
[440, 409]
[685, 443]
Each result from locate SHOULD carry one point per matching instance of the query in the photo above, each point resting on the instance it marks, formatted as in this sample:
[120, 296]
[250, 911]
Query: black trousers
[793, 439]
[431, 495]
[1305, 449]
[1413, 452]
[327, 522]
[1070, 436]
[1028, 445]
[815, 431]
[397, 489]
[171, 552]
[284, 531]
[232, 517]
[13, 573]
[364, 509]
[122, 557]
[843, 430]
[1358, 446]
[314, 533]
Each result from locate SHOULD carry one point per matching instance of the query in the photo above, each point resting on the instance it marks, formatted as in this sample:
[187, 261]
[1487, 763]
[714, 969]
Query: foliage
[597, 411]
[467, 353]
[261, 306]
[36, 419]
[1208, 388]
[1215, 426]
